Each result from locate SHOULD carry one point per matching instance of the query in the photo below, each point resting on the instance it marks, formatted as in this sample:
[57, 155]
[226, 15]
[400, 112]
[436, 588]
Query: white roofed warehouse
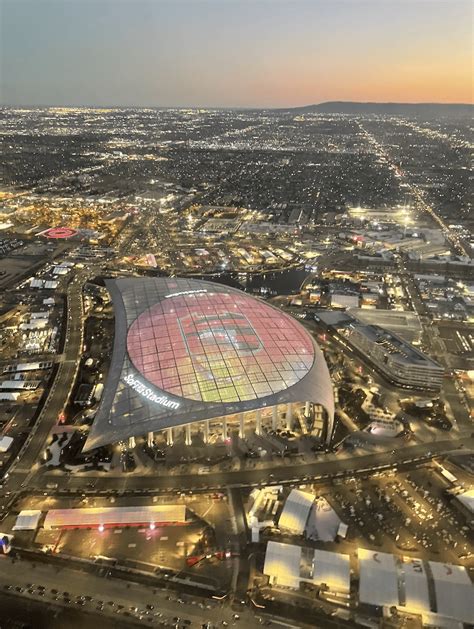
[288, 566]
[378, 578]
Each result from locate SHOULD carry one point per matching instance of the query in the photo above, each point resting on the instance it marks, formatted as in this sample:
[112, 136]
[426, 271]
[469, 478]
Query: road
[21, 473]
[330, 465]
[242, 582]
[438, 352]
[418, 194]
[127, 594]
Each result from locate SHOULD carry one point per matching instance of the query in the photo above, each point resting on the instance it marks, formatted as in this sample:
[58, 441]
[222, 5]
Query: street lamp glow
[152, 526]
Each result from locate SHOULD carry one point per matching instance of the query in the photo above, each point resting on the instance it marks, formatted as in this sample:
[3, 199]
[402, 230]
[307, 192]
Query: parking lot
[402, 513]
[457, 337]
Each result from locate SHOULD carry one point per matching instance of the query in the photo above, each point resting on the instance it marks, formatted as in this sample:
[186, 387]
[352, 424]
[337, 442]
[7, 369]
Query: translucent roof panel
[186, 350]
[218, 347]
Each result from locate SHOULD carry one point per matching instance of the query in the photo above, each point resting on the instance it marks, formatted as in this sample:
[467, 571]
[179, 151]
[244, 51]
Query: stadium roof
[187, 350]
[296, 511]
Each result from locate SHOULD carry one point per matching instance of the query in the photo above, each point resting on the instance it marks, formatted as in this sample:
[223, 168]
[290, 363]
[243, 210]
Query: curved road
[21, 472]
[330, 466]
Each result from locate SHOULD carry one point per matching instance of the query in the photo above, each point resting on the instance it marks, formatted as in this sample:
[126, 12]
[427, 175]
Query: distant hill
[426, 110]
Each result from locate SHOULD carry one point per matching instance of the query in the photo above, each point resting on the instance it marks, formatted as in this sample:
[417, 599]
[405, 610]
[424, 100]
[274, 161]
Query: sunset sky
[242, 53]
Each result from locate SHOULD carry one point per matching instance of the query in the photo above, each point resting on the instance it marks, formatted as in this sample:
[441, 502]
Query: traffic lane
[129, 594]
[18, 611]
[52, 410]
[62, 382]
[293, 473]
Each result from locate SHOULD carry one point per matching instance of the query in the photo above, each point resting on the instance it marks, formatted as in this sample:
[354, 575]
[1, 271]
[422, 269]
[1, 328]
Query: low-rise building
[399, 361]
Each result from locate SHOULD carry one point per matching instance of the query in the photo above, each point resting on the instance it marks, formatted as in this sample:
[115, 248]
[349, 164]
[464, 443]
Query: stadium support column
[206, 431]
[224, 429]
[289, 416]
[275, 417]
[319, 419]
[258, 420]
[188, 439]
[149, 439]
[169, 436]
[241, 426]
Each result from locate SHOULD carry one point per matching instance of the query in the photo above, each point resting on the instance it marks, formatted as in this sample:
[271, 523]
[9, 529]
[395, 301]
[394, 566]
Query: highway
[21, 472]
[418, 195]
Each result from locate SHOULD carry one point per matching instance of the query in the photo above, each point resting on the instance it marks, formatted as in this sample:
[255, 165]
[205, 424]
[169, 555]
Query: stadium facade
[190, 352]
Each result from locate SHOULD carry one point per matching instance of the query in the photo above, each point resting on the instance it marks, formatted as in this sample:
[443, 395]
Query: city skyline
[234, 53]
[236, 308]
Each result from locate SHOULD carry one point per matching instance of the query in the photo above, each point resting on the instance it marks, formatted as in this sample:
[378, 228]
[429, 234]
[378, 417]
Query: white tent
[333, 569]
[5, 443]
[115, 516]
[323, 522]
[454, 591]
[9, 396]
[378, 584]
[467, 499]
[417, 598]
[296, 511]
[282, 564]
[27, 520]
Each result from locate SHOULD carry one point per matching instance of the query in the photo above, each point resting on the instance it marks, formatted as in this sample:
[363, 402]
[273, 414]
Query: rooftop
[295, 514]
[187, 350]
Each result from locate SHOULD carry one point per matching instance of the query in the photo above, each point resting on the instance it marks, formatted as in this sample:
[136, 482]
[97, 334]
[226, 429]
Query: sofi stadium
[198, 356]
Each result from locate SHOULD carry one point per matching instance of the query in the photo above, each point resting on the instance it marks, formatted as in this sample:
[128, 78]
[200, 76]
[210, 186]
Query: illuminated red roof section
[60, 232]
[218, 347]
[188, 350]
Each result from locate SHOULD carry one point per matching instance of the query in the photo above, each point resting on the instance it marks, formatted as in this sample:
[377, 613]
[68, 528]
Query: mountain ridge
[392, 108]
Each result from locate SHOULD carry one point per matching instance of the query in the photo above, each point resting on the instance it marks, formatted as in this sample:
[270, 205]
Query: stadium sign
[147, 393]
